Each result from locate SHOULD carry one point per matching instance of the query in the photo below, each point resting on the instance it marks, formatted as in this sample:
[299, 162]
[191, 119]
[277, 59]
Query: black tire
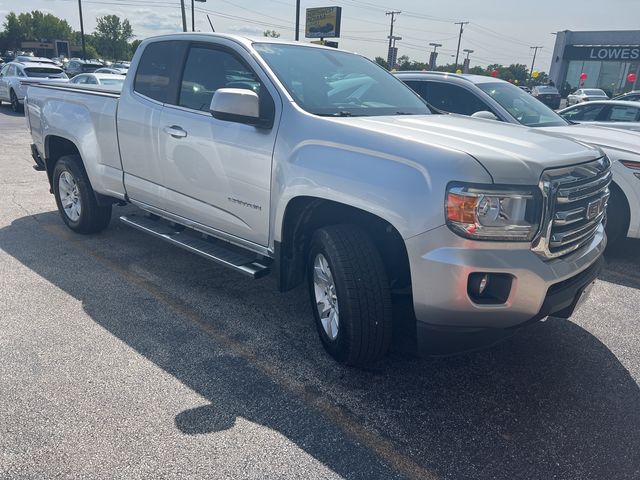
[93, 218]
[618, 217]
[363, 294]
[15, 104]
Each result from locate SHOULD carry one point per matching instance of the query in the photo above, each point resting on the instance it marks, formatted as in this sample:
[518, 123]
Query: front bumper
[441, 263]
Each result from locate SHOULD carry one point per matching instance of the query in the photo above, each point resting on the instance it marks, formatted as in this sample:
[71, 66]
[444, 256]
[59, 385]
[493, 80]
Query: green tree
[271, 33]
[382, 62]
[134, 46]
[35, 25]
[112, 36]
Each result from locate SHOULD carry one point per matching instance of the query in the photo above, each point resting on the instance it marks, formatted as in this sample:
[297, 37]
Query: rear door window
[158, 70]
[454, 99]
[621, 113]
[584, 113]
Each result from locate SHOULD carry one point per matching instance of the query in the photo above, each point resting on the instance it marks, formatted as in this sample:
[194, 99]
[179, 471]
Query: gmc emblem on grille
[594, 208]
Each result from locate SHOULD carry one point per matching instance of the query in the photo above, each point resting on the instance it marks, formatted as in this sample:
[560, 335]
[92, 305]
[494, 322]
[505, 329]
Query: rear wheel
[350, 295]
[15, 104]
[75, 198]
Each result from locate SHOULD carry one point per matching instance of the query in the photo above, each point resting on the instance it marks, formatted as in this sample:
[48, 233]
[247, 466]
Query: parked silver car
[14, 77]
[586, 95]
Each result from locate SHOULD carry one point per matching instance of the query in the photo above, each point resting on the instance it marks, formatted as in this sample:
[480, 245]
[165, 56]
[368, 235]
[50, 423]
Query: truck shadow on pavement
[550, 402]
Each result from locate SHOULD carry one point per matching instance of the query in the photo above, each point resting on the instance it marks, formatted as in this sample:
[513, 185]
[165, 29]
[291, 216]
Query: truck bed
[86, 116]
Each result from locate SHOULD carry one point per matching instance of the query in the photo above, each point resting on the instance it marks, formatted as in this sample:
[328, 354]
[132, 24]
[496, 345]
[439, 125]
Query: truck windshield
[339, 84]
[526, 109]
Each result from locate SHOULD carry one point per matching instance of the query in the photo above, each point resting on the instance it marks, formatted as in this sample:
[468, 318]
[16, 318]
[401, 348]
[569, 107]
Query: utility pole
[184, 16]
[434, 55]
[193, 14]
[84, 48]
[389, 54]
[535, 51]
[462, 24]
[297, 20]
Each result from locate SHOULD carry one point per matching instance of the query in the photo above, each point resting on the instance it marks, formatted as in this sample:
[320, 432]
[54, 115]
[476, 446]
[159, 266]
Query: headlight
[487, 212]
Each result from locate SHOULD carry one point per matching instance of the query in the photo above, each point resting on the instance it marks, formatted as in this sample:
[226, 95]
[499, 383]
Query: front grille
[575, 205]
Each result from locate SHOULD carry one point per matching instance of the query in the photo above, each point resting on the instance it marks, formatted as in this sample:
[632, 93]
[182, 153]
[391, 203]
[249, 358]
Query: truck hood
[603, 137]
[512, 154]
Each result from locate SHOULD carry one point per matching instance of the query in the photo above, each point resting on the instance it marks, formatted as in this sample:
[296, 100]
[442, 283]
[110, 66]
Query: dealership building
[607, 59]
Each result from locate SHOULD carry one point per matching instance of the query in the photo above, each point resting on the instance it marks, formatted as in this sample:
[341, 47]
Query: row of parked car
[16, 75]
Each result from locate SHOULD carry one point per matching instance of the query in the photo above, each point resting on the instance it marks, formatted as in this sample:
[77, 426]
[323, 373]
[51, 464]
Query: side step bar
[212, 249]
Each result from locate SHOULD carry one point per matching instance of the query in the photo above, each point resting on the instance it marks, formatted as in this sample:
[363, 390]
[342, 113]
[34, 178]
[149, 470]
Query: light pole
[465, 64]
[434, 54]
[392, 51]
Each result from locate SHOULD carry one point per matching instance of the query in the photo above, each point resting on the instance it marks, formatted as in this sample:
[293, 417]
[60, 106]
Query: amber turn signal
[462, 208]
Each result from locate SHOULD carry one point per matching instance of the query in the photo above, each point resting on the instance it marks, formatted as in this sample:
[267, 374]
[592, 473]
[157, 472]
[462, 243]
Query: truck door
[138, 115]
[218, 173]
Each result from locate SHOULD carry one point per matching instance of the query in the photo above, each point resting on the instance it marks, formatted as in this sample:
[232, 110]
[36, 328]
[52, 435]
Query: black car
[75, 67]
[548, 95]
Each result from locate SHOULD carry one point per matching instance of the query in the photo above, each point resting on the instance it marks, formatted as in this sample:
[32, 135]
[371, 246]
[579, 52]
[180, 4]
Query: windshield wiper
[341, 113]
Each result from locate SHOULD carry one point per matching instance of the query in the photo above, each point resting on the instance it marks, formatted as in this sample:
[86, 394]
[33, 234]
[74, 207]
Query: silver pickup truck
[314, 163]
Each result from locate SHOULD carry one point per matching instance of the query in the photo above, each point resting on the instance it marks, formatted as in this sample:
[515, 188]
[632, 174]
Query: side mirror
[485, 114]
[236, 105]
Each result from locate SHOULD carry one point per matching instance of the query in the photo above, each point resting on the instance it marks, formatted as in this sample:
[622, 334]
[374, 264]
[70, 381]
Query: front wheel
[75, 198]
[350, 295]
[618, 216]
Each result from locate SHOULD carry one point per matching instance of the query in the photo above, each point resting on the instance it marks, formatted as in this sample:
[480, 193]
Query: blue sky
[500, 31]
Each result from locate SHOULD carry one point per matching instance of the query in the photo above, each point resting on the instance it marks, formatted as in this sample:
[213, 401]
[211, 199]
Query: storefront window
[608, 76]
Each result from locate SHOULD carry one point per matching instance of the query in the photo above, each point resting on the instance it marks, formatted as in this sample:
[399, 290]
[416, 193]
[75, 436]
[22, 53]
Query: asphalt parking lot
[124, 357]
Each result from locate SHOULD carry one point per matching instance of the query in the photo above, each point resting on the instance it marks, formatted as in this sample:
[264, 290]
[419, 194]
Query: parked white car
[109, 79]
[606, 113]
[586, 95]
[15, 76]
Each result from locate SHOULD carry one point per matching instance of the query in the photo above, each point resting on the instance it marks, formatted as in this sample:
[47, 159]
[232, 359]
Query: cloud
[145, 19]
[246, 29]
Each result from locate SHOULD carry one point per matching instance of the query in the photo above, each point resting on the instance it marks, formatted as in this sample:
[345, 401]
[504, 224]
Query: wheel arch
[303, 215]
[56, 147]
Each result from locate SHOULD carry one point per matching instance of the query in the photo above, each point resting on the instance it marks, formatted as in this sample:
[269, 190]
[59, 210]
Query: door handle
[175, 131]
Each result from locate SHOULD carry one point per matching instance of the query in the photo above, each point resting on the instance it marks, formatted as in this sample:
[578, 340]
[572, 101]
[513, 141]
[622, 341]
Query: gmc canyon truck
[316, 164]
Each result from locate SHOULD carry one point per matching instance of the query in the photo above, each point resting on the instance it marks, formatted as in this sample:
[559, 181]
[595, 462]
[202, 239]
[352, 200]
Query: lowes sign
[628, 53]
